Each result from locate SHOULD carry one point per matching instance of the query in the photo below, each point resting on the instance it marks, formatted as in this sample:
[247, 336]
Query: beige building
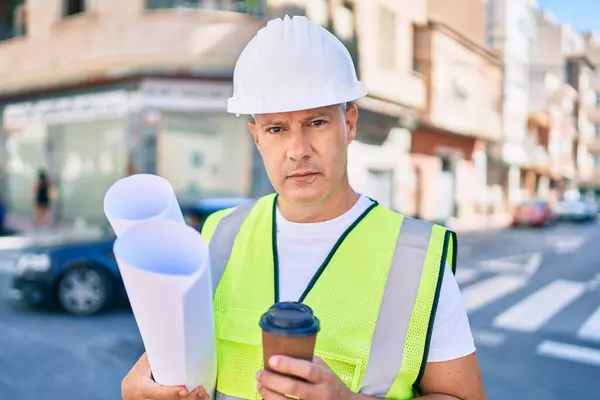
[467, 17]
[461, 120]
[592, 181]
[559, 83]
[379, 164]
[94, 90]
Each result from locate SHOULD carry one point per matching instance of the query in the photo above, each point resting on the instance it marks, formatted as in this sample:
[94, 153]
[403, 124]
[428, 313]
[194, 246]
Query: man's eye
[319, 122]
[275, 129]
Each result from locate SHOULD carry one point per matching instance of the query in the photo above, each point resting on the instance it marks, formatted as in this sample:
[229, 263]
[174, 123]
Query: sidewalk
[480, 223]
[27, 235]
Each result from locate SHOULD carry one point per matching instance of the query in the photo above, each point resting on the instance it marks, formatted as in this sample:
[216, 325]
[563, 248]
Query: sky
[583, 15]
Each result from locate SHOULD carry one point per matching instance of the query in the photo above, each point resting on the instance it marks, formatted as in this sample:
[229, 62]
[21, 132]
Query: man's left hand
[321, 382]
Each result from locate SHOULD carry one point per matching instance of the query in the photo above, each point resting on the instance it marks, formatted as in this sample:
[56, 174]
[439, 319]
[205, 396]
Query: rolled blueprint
[166, 271]
[138, 198]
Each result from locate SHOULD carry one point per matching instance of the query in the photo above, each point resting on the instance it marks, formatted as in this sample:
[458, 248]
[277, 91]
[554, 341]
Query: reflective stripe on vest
[387, 347]
[222, 240]
[398, 348]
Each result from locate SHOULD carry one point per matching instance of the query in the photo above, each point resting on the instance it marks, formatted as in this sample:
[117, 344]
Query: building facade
[511, 30]
[462, 117]
[554, 84]
[591, 181]
[92, 91]
[379, 163]
[379, 160]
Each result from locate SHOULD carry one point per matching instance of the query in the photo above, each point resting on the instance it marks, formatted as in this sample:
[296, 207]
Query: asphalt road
[533, 299]
[534, 306]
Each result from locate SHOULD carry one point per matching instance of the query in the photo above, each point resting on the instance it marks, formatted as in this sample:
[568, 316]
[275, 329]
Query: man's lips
[302, 174]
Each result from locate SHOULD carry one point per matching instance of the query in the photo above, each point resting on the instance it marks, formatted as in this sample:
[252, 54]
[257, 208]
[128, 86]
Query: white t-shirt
[451, 336]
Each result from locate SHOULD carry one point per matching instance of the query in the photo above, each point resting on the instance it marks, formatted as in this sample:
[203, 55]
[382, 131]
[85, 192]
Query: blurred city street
[478, 115]
[533, 298]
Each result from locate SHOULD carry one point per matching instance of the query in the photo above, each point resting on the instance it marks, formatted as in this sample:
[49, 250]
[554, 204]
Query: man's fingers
[197, 394]
[268, 394]
[296, 367]
[320, 361]
[285, 385]
[153, 391]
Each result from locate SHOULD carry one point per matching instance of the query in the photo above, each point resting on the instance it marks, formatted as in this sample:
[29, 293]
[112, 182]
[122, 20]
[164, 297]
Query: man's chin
[303, 196]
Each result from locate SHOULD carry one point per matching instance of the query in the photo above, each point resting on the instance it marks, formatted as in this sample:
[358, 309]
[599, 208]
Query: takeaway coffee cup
[289, 329]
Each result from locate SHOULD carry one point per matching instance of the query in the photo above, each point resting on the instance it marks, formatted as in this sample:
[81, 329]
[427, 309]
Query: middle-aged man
[393, 322]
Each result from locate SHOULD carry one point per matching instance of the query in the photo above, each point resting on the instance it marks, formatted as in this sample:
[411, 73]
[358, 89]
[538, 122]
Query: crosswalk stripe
[570, 352]
[535, 310]
[485, 292]
[590, 330]
[466, 275]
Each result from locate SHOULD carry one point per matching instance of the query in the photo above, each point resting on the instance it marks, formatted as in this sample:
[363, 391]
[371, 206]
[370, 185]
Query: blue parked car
[82, 277]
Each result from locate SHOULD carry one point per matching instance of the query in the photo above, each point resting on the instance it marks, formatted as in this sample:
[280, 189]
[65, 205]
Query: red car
[535, 213]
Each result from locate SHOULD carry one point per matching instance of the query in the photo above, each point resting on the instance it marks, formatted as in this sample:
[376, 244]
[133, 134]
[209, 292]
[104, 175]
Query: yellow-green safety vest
[376, 295]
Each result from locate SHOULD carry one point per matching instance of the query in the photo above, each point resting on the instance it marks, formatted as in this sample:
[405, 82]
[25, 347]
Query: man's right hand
[139, 385]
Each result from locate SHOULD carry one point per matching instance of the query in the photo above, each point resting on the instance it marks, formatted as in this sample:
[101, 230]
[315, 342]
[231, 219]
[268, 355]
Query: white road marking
[590, 330]
[527, 263]
[466, 275]
[488, 338]
[535, 310]
[566, 244]
[485, 292]
[594, 283]
[7, 265]
[569, 352]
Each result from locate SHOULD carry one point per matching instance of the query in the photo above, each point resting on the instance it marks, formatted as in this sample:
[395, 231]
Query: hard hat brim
[354, 94]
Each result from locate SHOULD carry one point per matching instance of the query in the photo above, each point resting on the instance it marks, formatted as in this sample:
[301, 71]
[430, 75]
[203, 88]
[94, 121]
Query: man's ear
[351, 115]
[253, 131]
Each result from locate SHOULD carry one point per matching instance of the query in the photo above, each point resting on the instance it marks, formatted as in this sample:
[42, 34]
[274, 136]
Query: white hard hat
[293, 64]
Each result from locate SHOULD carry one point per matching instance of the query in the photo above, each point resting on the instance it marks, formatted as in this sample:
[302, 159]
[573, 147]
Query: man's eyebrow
[271, 123]
[315, 115]
[303, 120]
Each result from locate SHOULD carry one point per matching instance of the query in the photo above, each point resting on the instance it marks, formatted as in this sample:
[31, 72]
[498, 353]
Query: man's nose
[298, 145]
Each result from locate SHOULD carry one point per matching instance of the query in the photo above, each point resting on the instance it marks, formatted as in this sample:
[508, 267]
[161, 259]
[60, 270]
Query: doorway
[381, 186]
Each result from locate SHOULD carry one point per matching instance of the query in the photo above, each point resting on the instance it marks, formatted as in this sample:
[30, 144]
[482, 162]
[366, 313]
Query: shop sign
[185, 95]
[89, 107]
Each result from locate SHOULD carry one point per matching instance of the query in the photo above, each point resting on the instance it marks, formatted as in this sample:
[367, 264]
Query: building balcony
[464, 82]
[593, 145]
[562, 166]
[594, 115]
[114, 41]
[591, 179]
[385, 45]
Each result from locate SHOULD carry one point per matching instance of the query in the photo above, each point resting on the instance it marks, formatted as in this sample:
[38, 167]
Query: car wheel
[84, 290]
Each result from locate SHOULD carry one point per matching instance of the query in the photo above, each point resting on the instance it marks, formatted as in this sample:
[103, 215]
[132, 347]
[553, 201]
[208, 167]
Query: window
[158, 4]
[12, 19]
[20, 21]
[253, 7]
[496, 105]
[569, 71]
[73, 7]
[446, 163]
[418, 45]
[458, 91]
[387, 38]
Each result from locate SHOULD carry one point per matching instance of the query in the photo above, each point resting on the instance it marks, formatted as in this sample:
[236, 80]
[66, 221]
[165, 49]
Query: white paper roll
[166, 271]
[138, 198]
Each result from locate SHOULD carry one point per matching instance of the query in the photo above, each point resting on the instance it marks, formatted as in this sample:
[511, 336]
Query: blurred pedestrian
[393, 322]
[42, 196]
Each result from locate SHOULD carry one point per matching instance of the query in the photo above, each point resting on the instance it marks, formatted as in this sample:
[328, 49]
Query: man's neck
[329, 208]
